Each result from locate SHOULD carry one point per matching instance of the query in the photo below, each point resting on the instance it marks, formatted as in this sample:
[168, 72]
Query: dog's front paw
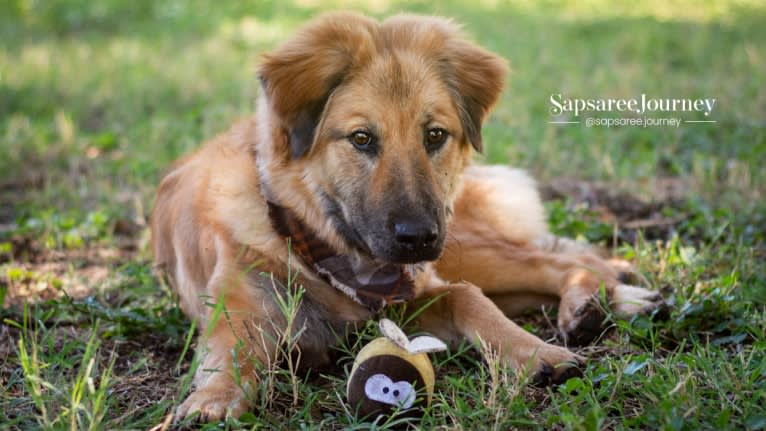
[214, 402]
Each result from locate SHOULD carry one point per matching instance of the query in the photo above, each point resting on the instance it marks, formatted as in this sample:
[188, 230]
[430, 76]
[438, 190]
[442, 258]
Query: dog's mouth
[406, 244]
[384, 247]
[405, 240]
[396, 253]
[381, 249]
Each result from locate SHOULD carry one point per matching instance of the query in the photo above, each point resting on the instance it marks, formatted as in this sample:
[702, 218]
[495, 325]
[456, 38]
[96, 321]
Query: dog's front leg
[239, 330]
[462, 311]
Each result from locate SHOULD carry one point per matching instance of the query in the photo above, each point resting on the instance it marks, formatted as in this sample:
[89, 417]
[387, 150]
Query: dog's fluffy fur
[396, 81]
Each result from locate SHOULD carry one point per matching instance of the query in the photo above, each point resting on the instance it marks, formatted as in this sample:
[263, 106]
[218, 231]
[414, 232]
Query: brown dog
[359, 156]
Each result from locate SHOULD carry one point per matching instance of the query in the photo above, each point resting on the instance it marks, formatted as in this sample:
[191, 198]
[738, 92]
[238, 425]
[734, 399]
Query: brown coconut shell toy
[393, 373]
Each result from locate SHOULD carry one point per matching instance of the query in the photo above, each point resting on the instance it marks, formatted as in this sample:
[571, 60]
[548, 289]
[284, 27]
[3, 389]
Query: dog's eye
[362, 140]
[435, 138]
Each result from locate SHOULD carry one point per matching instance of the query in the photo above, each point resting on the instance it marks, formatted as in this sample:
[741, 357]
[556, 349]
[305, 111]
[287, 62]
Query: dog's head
[374, 123]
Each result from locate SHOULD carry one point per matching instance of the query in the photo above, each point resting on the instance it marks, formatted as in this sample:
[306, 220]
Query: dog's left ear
[299, 77]
[477, 77]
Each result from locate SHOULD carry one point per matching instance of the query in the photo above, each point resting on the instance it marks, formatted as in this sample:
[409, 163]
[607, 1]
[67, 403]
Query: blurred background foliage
[144, 81]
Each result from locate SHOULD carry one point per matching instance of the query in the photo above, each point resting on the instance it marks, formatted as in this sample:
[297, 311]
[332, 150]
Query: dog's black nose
[416, 233]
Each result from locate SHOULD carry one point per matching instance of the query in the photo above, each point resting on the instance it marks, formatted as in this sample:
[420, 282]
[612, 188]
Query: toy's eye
[381, 388]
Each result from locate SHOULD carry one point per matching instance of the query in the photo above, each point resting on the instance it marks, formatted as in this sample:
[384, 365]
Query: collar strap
[369, 283]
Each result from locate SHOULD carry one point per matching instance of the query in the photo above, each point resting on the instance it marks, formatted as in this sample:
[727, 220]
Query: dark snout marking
[414, 221]
[334, 212]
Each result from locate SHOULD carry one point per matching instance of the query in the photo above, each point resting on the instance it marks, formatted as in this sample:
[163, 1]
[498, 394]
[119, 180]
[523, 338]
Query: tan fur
[213, 237]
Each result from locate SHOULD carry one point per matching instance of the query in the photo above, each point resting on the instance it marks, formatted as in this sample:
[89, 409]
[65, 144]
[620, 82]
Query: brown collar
[369, 283]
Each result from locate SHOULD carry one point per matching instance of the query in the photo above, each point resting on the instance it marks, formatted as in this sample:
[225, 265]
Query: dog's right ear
[299, 76]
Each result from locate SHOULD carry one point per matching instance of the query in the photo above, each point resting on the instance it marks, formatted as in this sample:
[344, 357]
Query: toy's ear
[426, 344]
[299, 77]
[393, 333]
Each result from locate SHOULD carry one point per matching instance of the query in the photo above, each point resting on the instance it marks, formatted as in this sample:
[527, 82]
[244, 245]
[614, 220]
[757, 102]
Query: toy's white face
[381, 388]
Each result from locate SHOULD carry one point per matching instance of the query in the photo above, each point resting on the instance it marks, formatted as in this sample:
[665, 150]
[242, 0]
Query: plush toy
[393, 372]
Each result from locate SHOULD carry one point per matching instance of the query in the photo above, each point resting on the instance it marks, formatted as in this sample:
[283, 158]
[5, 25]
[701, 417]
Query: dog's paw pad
[543, 377]
[555, 375]
[585, 325]
[567, 371]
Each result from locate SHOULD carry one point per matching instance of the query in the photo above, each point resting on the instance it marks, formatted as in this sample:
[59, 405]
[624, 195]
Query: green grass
[97, 98]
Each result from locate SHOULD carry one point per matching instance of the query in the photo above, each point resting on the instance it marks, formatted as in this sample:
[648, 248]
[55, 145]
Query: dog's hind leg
[498, 240]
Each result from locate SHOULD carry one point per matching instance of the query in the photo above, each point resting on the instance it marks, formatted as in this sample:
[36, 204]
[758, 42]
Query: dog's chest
[323, 330]
[326, 317]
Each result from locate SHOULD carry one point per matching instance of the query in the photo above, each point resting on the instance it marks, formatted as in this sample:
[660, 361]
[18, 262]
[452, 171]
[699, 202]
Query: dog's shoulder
[232, 197]
[217, 187]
